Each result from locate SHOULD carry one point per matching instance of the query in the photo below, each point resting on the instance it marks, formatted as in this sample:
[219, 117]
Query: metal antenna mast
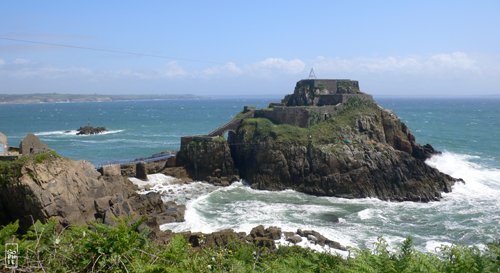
[312, 75]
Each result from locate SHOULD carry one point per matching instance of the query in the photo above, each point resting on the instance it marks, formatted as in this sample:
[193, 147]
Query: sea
[466, 130]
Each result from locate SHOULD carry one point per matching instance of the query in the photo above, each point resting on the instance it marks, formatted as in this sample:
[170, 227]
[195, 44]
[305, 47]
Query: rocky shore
[353, 149]
[47, 186]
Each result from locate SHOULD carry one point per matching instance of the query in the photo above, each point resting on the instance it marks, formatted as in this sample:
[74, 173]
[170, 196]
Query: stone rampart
[301, 116]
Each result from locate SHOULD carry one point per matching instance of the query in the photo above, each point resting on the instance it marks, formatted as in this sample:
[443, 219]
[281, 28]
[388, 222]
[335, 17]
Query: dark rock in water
[140, 171]
[270, 232]
[294, 239]
[259, 236]
[257, 231]
[274, 232]
[89, 130]
[330, 217]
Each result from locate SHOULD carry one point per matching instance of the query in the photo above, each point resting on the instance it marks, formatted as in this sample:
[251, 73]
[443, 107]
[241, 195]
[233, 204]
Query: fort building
[312, 101]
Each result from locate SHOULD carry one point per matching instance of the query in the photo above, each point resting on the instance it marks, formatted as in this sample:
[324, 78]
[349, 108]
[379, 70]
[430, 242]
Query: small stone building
[4, 147]
[31, 144]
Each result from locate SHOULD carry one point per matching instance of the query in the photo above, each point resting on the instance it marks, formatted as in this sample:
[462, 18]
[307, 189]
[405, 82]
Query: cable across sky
[109, 50]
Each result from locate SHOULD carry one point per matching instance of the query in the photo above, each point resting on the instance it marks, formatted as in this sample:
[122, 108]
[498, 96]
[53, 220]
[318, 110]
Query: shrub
[123, 248]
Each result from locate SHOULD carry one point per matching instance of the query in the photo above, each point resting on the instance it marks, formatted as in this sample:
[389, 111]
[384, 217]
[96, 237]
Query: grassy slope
[101, 248]
[331, 131]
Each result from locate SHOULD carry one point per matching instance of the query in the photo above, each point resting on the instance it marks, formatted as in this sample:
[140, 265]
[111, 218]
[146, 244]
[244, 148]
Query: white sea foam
[480, 182]
[171, 188]
[52, 133]
[73, 133]
[468, 215]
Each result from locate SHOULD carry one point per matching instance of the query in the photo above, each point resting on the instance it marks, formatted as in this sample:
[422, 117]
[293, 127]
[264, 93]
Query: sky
[256, 48]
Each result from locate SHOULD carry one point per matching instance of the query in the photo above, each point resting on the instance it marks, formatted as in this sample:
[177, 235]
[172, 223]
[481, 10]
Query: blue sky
[407, 48]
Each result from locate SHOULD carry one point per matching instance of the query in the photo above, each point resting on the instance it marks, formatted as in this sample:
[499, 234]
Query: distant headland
[68, 98]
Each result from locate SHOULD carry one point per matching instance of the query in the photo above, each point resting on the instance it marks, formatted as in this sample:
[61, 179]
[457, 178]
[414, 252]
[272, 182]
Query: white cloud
[278, 64]
[438, 63]
[172, 70]
[455, 60]
[265, 68]
[447, 71]
[229, 68]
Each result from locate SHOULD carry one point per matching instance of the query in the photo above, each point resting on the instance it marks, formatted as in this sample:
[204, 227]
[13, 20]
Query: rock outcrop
[207, 158]
[259, 235]
[363, 151]
[345, 145]
[73, 192]
[89, 130]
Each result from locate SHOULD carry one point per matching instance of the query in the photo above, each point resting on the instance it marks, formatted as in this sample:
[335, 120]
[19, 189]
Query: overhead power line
[109, 50]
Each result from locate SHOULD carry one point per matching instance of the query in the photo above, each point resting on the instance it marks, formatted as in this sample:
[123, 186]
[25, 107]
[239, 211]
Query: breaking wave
[468, 215]
[73, 133]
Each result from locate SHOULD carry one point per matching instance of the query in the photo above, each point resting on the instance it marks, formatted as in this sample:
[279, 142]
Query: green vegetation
[122, 248]
[263, 130]
[330, 131]
[11, 170]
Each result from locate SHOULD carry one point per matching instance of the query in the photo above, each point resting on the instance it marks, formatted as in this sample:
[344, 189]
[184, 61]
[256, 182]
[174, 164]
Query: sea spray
[62, 133]
[468, 215]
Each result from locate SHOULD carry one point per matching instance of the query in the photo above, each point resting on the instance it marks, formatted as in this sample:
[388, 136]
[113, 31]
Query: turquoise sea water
[467, 130]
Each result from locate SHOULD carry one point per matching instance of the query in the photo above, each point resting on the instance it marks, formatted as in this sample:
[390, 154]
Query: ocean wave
[480, 182]
[53, 133]
[73, 133]
[467, 215]
[171, 189]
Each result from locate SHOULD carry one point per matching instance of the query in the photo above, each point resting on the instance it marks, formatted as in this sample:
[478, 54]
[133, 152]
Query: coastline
[47, 98]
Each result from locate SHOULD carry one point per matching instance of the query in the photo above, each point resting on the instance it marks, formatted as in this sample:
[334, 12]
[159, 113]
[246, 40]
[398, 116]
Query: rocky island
[327, 138]
[90, 130]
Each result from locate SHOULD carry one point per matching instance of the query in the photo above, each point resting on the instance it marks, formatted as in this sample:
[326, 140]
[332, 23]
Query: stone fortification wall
[338, 98]
[308, 92]
[301, 116]
[298, 116]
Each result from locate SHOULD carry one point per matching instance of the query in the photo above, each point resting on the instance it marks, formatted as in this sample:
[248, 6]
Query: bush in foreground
[123, 248]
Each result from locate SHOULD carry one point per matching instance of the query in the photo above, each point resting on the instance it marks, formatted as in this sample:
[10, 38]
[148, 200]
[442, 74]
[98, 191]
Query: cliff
[362, 151]
[43, 186]
[327, 138]
[207, 158]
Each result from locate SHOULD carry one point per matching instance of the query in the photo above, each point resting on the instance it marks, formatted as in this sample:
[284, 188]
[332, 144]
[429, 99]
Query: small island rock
[89, 130]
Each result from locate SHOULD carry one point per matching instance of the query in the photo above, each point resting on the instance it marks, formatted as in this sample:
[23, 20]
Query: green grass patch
[326, 132]
[11, 170]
